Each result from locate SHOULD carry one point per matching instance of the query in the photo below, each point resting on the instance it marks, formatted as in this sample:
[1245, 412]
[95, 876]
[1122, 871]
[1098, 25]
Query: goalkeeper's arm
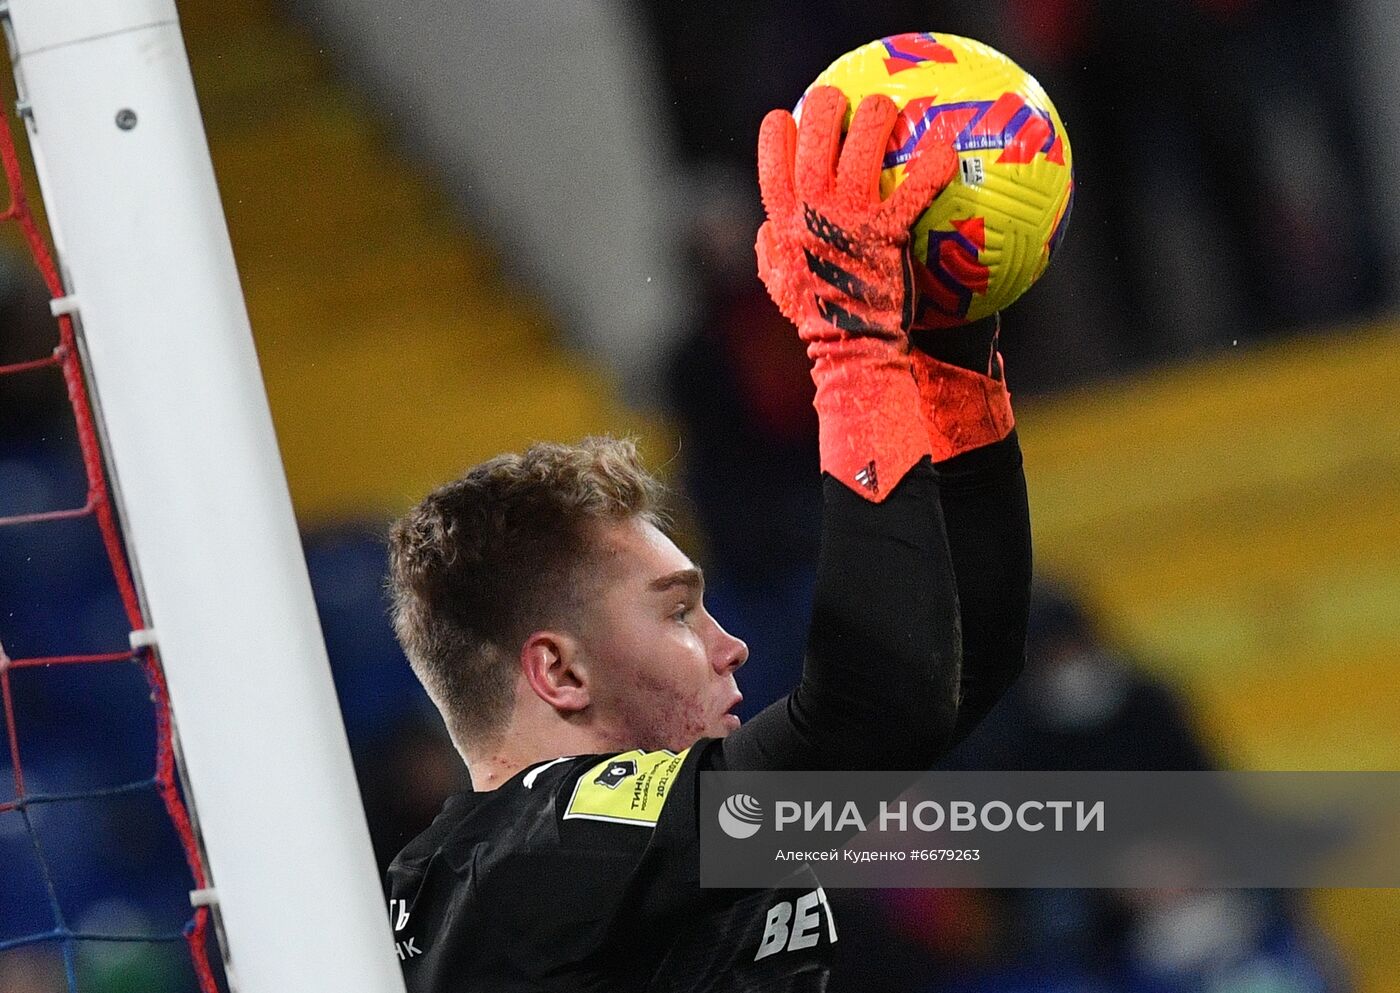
[885, 665]
[884, 671]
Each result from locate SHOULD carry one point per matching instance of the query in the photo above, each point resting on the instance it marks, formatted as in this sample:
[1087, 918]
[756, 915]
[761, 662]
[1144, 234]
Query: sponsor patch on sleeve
[630, 788]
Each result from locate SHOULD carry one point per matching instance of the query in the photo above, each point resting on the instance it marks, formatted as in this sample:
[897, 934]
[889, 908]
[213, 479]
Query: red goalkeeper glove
[837, 262]
[962, 387]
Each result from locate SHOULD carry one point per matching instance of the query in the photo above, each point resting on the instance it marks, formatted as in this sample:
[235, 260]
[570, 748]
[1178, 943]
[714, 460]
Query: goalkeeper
[566, 642]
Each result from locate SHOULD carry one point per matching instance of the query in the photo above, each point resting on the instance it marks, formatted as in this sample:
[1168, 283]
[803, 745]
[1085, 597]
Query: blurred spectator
[405, 780]
[742, 393]
[1211, 137]
[1081, 705]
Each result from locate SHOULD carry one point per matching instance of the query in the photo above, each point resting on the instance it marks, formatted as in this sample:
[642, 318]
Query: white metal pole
[130, 194]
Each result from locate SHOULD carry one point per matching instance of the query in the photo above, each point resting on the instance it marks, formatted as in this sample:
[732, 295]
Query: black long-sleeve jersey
[582, 873]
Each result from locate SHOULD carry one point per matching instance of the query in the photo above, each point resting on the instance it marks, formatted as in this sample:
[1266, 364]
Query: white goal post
[129, 190]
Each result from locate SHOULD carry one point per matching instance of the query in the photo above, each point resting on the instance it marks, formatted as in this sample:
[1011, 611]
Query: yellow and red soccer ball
[990, 235]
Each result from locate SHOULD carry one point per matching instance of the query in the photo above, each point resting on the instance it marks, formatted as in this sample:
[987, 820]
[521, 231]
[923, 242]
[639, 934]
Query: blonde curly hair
[483, 561]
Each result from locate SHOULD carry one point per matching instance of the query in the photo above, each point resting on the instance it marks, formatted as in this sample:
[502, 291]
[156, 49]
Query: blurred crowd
[1222, 196]
[1226, 177]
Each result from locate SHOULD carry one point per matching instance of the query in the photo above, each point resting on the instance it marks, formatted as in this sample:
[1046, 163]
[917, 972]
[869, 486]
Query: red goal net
[57, 903]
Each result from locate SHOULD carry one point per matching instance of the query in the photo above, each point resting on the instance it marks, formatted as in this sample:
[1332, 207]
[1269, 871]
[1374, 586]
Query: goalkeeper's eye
[681, 613]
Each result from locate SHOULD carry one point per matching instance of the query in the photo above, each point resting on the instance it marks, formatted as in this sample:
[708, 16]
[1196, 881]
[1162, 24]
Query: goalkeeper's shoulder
[604, 800]
[568, 835]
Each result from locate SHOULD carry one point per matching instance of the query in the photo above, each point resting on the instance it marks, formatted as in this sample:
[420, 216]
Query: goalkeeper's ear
[552, 665]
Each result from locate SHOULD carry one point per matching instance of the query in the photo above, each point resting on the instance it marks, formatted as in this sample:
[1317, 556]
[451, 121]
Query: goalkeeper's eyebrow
[692, 580]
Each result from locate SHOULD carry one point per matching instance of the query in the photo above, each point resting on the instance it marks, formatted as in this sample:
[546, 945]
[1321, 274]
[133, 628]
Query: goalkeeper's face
[660, 668]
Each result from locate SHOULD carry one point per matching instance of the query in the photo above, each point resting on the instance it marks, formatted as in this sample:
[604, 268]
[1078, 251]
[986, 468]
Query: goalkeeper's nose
[728, 652]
